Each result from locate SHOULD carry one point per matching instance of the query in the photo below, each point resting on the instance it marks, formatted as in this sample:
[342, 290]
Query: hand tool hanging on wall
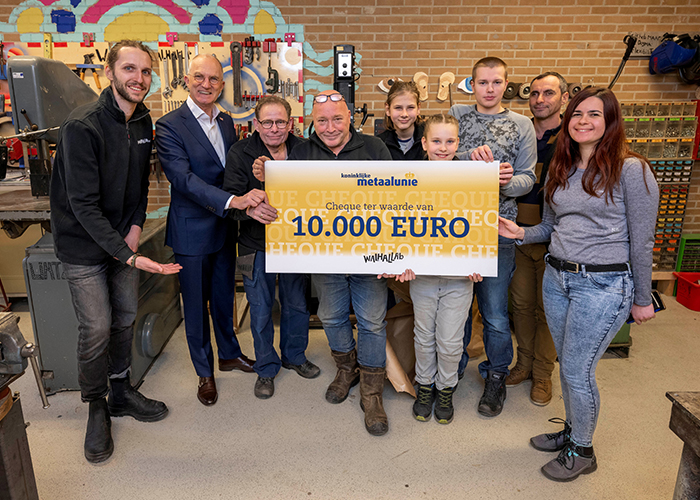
[173, 58]
[236, 63]
[252, 48]
[187, 60]
[273, 77]
[167, 92]
[631, 42]
[181, 67]
[88, 64]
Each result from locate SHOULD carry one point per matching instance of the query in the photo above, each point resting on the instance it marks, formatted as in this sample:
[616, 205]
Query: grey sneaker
[554, 441]
[264, 387]
[571, 463]
[307, 369]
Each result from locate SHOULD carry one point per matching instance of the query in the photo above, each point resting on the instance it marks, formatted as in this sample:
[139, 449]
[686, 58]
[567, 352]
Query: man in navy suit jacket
[192, 142]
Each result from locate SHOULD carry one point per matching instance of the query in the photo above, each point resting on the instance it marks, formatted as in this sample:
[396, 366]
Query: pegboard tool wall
[581, 39]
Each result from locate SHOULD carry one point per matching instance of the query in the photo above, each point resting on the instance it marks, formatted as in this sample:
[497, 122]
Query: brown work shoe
[541, 392]
[348, 376]
[371, 401]
[518, 375]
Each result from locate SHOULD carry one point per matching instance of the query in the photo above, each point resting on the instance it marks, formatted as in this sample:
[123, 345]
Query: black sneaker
[491, 402]
[444, 411]
[553, 441]
[423, 407]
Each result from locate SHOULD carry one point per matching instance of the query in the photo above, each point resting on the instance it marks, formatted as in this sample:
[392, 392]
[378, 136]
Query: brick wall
[582, 39]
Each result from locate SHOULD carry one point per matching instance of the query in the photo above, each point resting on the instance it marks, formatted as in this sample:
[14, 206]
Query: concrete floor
[296, 445]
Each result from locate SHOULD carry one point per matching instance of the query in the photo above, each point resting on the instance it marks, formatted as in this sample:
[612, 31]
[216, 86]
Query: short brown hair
[563, 85]
[113, 54]
[272, 99]
[489, 62]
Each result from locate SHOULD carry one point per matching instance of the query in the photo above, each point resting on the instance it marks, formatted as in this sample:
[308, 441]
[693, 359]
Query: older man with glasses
[335, 139]
[192, 142]
[270, 141]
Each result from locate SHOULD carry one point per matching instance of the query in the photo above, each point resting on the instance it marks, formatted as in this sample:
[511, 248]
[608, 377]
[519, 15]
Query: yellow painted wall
[137, 25]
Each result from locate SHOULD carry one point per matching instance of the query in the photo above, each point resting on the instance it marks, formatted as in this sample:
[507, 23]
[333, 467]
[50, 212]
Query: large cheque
[370, 217]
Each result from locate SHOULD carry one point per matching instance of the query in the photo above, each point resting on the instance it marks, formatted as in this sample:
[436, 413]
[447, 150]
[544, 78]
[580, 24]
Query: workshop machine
[17, 480]
[344, 77]
[56, 326]
[43, 93]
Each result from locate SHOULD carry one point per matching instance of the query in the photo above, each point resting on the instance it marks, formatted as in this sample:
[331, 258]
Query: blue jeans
[294, 321]
[584, 312]
[492, 298]
[368, 295]
[105, 299]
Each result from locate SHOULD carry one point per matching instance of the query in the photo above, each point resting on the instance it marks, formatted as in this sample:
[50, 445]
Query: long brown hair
[605, 164]
[397, 89]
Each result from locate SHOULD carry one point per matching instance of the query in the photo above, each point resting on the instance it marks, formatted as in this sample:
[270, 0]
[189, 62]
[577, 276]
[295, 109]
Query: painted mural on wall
[156, 22]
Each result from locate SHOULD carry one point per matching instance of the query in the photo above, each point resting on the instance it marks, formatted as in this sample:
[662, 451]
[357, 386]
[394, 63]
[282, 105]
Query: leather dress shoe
[206, 392]
[243, 363]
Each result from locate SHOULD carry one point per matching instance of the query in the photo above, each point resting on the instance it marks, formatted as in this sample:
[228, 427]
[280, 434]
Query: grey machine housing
[47, 90]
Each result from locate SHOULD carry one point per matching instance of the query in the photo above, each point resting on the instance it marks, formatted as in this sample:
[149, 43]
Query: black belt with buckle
[575, 267]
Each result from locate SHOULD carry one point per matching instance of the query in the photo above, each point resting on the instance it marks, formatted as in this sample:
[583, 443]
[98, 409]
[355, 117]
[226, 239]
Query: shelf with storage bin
[689, 254]
[658, 128]
[689, 125]
[672, 171]
[640, 146]
[669, 223]
[652, 109]
[643, 128]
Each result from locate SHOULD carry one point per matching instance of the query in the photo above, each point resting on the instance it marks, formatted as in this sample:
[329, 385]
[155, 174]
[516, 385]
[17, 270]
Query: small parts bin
[688, 290]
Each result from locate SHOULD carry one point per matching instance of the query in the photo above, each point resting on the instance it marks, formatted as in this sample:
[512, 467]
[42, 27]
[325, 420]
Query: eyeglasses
[321, 98]
[267, 124]
[213, 80]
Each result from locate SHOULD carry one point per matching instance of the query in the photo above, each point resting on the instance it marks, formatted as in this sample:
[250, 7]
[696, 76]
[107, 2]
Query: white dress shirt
[210, 127]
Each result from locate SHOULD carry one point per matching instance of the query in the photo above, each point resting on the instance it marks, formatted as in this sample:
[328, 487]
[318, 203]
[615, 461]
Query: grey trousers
[440, 307]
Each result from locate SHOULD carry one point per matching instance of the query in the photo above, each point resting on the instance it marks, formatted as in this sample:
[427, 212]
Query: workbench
[685, 423]
[20, 205]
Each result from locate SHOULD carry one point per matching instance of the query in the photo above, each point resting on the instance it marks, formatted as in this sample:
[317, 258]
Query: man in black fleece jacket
[335, 139]
[99, 191]
[271, 140]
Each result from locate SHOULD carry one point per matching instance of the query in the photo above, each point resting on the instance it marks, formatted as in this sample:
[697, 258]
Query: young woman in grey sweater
[600, 211]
